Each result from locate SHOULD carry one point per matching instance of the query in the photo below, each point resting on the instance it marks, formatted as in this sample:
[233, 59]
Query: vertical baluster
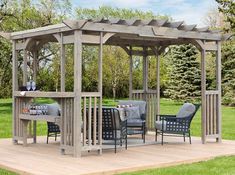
[84, 121]
[94, 122]
[89, 122]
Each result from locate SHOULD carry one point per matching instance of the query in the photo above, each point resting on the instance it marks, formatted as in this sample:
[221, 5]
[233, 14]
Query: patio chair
[177, 125]
[53, 130]
[136, 117]
[113, 128]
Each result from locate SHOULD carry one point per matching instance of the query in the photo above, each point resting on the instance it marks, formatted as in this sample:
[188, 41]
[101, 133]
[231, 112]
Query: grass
[217, 166]
[167, 107]
[6, 172]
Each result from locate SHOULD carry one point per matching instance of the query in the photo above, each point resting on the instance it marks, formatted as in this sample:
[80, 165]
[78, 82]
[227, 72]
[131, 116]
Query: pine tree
[184, 72]
[227, 7]
[228, 73]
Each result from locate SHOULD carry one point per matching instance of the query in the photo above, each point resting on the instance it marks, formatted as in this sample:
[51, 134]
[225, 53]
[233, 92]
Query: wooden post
[62, 64]
[158, 82]
[14, 87]
[25, 77]
[100, 91]
[203, 95]
[218, 87]
[145, 72]
[35, 57]
[77, 89]
[130, 73]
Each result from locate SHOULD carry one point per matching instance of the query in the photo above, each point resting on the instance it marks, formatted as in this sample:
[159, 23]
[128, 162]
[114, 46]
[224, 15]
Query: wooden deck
[44, 159]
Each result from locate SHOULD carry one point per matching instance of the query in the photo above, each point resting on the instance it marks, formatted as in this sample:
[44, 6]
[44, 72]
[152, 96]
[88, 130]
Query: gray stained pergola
[151, 35]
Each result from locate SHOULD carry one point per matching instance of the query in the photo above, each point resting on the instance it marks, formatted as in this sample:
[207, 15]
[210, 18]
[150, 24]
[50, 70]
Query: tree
[115, 60]
[227, 7]
[184, 73]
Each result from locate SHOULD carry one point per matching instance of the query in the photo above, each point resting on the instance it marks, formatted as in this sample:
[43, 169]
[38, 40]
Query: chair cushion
[158, 125]
[141, 104]
[186, 110]
[133, 112]
[53, 109]
[135, 122]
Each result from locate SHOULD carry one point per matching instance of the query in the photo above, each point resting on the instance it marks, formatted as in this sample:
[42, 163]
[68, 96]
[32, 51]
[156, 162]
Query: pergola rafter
[153, 36]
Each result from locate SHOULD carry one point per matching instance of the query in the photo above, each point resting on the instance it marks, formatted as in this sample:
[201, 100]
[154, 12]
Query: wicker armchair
[177, 125]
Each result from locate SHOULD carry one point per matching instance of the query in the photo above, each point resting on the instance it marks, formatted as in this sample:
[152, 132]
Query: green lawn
[5, 172]
[167, 107]
[217, 166]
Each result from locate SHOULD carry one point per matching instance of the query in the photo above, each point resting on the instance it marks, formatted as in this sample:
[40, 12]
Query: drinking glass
[33, 85]
[28, 86]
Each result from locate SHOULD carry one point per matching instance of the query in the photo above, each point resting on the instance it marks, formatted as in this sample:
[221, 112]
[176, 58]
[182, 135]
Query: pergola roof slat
[173, 24]
[158, 23]
[187, 27]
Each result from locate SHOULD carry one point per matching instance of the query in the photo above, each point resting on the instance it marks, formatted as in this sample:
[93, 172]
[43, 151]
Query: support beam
[218, 87]
[203, 95]
[14, 87]
[158, 82]
[130, 73]
[62, 64]
[25, 76]
[145, 69]
[35, 57]
[100, 90]
[77, 89]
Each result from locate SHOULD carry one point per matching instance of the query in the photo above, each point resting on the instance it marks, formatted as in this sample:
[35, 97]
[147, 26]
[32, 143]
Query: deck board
[44, 159]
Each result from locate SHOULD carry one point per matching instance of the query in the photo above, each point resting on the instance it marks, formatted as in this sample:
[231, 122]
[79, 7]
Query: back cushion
[53, 109]
[141, 104]
[132, 112]
[186, 110]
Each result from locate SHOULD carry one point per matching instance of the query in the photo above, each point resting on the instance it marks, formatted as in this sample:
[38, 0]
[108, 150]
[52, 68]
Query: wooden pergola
[153, 36]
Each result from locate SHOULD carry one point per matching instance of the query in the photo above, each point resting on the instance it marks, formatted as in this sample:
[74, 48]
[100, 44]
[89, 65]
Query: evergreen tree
[184, 72]
[228, 73]
[227, 7]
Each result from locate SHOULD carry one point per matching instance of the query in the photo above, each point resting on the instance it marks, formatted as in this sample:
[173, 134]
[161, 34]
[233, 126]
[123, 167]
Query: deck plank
[44, 159]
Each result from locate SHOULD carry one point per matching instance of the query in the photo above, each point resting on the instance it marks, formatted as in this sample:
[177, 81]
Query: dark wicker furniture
[53, 130]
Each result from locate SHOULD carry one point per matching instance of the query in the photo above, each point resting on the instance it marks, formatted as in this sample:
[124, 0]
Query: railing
[151, 99]
[92, 121]
[212, 113]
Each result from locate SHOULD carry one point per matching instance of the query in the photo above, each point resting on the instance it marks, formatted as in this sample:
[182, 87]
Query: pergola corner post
[100, 64]
[203, 95]
[218, 88]
[158, 82]
[145, 71]
[14, 88]
[130, 73]
[77, 90]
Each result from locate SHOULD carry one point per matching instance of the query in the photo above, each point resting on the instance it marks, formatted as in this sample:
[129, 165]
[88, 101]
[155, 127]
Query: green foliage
[110, 12]
[6, 172]
[227, 7]
[228, 73]
[184, 73]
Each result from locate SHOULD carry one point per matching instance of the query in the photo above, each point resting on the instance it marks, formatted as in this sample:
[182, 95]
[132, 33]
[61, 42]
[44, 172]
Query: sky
[190, 11]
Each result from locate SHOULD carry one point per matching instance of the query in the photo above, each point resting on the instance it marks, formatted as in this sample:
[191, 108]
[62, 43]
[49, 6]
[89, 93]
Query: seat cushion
[186, 110]
[158, 125]
[132, 112]
[135, 122]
